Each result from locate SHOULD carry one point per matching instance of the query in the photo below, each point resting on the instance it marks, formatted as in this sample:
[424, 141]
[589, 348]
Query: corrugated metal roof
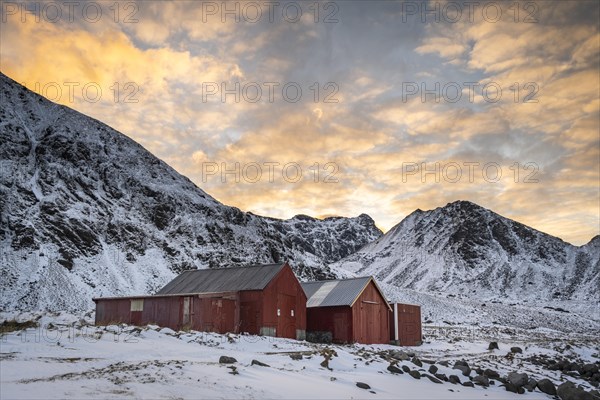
[222, 279]
[341, 292]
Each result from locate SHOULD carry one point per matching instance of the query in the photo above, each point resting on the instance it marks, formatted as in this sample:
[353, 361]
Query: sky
[341, 107]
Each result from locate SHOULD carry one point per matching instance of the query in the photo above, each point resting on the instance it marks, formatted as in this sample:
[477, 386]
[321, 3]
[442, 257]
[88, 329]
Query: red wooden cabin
[353, 310]
[264, 299]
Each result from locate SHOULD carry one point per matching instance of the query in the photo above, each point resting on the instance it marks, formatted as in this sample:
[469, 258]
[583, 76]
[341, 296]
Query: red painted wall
[370, 317]
[337, 320]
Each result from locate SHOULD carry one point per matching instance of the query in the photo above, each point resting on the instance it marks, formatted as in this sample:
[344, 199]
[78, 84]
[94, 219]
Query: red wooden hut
[353, 310]
[405, 325]
[263, 299]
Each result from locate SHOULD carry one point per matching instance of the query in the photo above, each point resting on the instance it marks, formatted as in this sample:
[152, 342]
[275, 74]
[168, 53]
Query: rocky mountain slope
[465, 250]
[86, 211]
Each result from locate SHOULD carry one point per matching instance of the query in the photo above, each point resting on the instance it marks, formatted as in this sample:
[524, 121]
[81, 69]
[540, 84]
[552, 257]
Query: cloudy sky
[382, 107]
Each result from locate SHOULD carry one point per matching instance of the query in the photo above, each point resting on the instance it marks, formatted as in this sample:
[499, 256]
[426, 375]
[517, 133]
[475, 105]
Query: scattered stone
[568, 391]
[325, 363]
[400, 355]
[493, 346]
[227, 360]
[296, 356]
[415, 374]
[405, 369]
[431, 378]
[417, 362]
[516, 350]
[443, 377]
[481, 380]
[260, 364]
[454, 379]
[363, 385]
[233, 370]
[468, 384]
[394, 370]
[490, 373]
[518, 379]
[466, 371]
[531, 385]
[546, 386]
[433, 369]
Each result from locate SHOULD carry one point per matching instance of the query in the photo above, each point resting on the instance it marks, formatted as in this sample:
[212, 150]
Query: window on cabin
[137, 305]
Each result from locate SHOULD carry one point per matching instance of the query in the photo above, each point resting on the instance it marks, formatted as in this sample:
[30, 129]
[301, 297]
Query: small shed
[264, 299]
[405, 325]
[352, 310]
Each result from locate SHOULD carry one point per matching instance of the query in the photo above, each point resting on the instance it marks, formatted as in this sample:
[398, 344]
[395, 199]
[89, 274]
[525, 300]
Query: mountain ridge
[86, 211]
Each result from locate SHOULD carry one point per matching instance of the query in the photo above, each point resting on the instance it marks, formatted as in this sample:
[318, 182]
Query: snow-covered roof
[342, 292]
[222, 279]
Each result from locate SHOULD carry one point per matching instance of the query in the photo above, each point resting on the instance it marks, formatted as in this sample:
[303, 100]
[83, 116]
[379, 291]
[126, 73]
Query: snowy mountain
[86, 211]
[465, 250]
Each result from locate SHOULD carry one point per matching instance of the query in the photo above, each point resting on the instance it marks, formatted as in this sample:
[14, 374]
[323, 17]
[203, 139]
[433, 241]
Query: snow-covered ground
[67, 357]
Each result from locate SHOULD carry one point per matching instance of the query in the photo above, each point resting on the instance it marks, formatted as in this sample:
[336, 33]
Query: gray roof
[342, 292]
[222, 279]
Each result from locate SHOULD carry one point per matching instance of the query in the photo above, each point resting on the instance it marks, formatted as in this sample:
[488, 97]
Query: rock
[363, 385]
[454, 379]
[516, 350]
[431, 378]
[260, 364]
[325, 363]
[546, 386]
[514, 389]
[568, 391]
[433, 369]
[464, 369]
[518, 379]
[394, 370]
[400, 355]
[296, 356]
[417, 362]
[442, 377]
[415, 374]
[531, 385]
[468, 384]
[227, 360]
[490, 373]
[481, 380]
[405, 369]
[593, 368]
[493, 346]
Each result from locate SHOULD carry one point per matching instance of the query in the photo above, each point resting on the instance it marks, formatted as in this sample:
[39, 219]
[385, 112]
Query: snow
[71, 358]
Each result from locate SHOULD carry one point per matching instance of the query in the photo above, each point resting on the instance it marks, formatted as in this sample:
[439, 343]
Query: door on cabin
[186, 319]
[286, 316]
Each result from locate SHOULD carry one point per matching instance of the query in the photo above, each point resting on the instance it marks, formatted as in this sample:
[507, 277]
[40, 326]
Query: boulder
[531, 385]
[433, 369]
[405, 369]
[481, 380]
[417, 362]
[516, 350]
[443, 377]
[227, 360]
[468, 384]
[415, 374]
[546, 386]
[464, 369]
[296, 356]
[400, 355]
[568, 391]
[363, 385]
[260, 364]
[431, 378]
[518, 379]
[394, 370]
[454, 379]
[490, 373]
[493, 346]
